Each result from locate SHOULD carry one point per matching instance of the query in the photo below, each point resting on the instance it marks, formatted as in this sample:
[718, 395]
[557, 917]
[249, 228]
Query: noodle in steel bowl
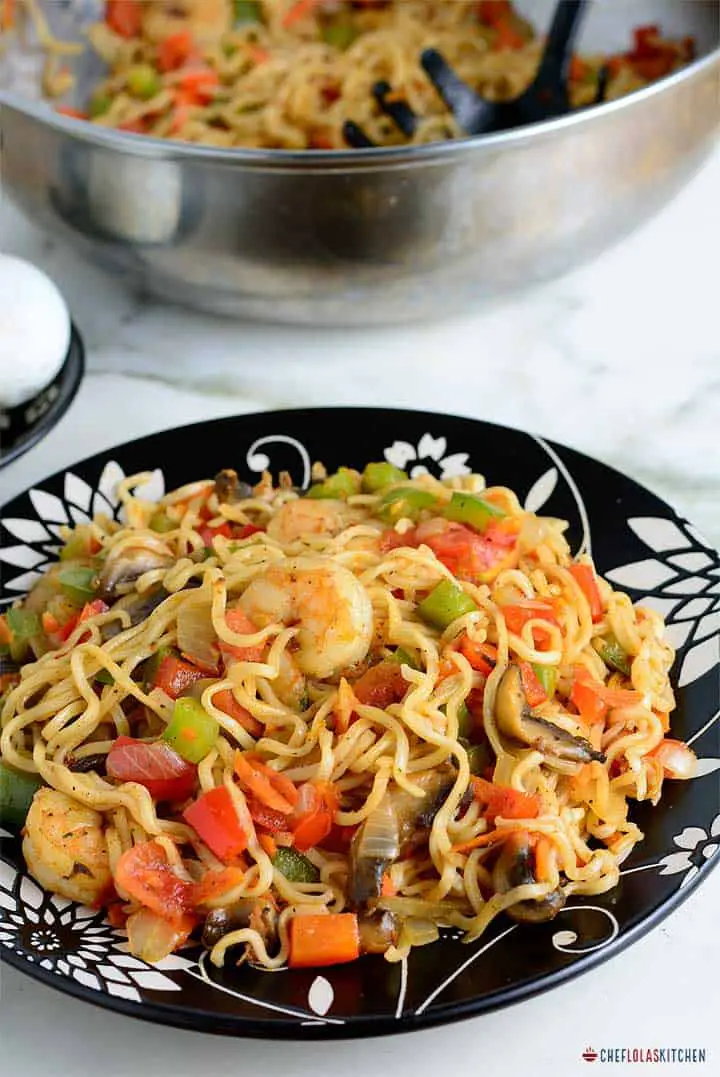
[303, 728]
[288, 73]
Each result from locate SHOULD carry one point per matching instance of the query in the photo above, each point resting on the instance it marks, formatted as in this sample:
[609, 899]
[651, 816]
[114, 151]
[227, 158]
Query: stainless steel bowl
[371, 236]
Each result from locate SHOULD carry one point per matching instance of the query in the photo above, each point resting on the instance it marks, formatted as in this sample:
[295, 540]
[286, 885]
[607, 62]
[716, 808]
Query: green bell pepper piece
[192, 732]
[17, 788]
[104, 676]
[613, 655]
[78, 583]
[377, 476]
[445, 604]
[343, 484]
[340, 35]
[480, 758]
[143, 81]
[294, 866]
[547, 675]
[99, 105]
[161, 522]
[404, 501]
[472, 510]
[401, 656]
[247, 11]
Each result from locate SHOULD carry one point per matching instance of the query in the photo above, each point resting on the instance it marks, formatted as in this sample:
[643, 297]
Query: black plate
[23, 426]
[637, 541]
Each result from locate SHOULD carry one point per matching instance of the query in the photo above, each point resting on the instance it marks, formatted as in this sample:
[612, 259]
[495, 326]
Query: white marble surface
[620, 359]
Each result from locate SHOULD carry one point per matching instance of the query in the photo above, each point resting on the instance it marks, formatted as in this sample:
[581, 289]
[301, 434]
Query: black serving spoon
[546, 98]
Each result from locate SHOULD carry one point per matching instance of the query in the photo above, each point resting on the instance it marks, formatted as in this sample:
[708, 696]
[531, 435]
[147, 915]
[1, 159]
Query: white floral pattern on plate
[76, 942]
[682, 582]
[428, 457]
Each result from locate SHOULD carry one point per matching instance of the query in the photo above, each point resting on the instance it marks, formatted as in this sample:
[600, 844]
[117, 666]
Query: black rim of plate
[645, 549]
[32, 421]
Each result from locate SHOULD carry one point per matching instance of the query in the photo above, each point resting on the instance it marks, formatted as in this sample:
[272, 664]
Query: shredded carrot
[216, 883]
[489, 838]
[543, 859]
[298, 11]
[388, 889]
[269, 844]
[267, 785]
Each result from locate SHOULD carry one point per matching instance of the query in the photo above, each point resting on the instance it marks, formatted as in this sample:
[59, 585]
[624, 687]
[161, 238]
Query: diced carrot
[5, 633]
[584, 576]
[314, 814]
[174, 676]
[315, 940]
[7, 14]
[507, 36]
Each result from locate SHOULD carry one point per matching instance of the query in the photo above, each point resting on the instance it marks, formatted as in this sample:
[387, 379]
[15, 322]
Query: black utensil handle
[559, 42]
[398, 110]
[472, 113]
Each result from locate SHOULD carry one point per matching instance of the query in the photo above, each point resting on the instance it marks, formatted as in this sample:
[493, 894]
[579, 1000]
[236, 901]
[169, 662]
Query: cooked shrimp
[206, 20]
[65, 848]
[303, 516]
[329, 605]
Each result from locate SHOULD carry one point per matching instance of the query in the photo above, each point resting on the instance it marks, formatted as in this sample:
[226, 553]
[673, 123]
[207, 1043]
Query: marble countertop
[620, 359]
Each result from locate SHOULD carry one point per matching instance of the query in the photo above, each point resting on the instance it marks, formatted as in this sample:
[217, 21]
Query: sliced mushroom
[516, 720]
[88, 763]
[260, 915]
[515, 867]
[128, 565]
[138, 606]
[378, 932]
[229, 488]
[400, 819]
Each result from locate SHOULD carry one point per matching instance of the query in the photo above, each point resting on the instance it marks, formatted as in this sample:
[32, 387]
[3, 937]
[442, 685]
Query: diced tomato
[677, 760]
[584, 695]
[116, 914]
[214, 818]
[339, 838]
[584, 576]
[7, 14]
[144, 873]
[533, 689]
[393, 540]
[491, 12]
[207, 534]
[321, 139]
[92, 609]
[238, 621]
[175, 50]
[475, 699]
[225, 701]
[468, 555]
[519, 613]
[481, 656]
[298, 11]
[318, 940]
[381, 685]
[124, 17]
[314, 814]
[504, 801]
[273, 820]
[578, 69]
[135, 127]
[165, 774]
[507, 36]
[246, 530]
[174, 676]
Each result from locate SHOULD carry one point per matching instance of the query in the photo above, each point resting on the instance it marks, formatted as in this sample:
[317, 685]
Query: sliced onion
[196, 636]
[418, 933]
[379, 837]
[151, 937]
[440, 912]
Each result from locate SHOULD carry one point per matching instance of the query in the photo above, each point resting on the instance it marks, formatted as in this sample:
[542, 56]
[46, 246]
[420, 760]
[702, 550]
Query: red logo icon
[589, 1054]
